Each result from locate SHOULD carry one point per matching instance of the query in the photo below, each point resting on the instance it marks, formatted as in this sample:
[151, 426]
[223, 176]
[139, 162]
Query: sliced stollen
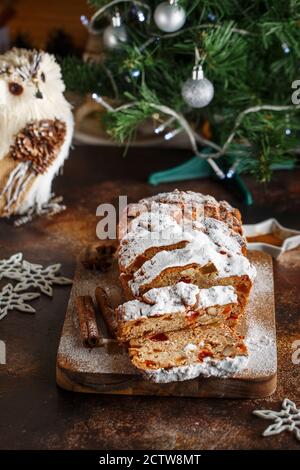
[219, 210]
[213, 350]
[200, 262]
[157, 231]
[190, 203]
[174, 308]
[149, 233]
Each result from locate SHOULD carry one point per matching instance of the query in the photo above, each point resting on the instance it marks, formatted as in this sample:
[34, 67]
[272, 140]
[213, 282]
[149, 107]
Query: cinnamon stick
[87, 321]
[106, 310]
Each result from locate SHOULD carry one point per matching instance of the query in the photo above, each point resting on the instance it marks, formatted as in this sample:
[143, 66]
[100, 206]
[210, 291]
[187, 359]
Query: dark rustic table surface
[36, 414]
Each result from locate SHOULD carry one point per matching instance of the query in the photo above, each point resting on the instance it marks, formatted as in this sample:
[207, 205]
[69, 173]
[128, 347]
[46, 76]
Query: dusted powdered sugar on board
[260, 330]
[108, 369]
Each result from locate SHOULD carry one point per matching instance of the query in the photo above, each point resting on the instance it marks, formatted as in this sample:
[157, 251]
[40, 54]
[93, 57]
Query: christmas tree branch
[253, 109]
[195, 137]
[251, 58]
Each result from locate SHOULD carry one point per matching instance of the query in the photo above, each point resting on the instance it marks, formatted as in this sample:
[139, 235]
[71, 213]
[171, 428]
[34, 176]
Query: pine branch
[80, 76]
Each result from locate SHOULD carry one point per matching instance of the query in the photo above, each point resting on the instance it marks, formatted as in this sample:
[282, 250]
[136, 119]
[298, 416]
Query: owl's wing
[35, 148]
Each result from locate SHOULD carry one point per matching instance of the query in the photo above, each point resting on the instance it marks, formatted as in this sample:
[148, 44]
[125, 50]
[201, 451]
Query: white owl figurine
[36, 128]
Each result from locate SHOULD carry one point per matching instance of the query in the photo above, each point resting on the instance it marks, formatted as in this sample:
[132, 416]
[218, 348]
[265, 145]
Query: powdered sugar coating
[160, 229]
[176, 299]
[181, 293]
[134, 309]
[151, 229]
[220, 210]
[208, 368]
[217, 295]
[197, 205]
[157, 220]
[201, 251]
[180, 197]
[190, 348]
[222, 236]
[171, 299]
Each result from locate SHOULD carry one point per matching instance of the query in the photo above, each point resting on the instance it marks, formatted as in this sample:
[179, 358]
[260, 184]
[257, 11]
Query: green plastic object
[196, 168]
[237, 186]
[192, 169]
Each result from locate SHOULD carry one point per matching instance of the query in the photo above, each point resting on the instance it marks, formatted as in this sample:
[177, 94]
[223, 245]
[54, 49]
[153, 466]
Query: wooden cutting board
[107, 369]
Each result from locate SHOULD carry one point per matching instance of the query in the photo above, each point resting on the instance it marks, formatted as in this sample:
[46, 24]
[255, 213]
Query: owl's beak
[39, 94]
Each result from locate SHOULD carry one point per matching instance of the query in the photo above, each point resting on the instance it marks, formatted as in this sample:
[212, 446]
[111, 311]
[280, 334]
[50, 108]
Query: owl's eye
[43, 78]
[15, 88]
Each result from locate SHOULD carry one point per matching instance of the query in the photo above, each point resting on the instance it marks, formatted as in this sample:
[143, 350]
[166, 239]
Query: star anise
[99, 258]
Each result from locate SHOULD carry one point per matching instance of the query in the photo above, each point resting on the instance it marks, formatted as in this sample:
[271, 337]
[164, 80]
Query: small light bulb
[84, 20]
[230, 173]
[168, 135]
[285, 48]
[211, 17]
[171, 134]
[288, 131]
[163, 126]
[135, 73]
[141, 16]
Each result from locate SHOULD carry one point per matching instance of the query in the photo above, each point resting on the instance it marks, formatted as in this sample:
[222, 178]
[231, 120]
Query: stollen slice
[212, 350]
[199, 263]
[174, 308]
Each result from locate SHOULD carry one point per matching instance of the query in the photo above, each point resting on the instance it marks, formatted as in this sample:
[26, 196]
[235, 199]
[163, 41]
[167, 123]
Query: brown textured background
[36, 414]
[39, 18]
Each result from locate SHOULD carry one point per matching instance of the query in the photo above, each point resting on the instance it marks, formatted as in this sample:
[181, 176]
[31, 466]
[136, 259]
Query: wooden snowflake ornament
[287, 419]
[12, 300]
[10, 265]
[27, 276]
[35, 276]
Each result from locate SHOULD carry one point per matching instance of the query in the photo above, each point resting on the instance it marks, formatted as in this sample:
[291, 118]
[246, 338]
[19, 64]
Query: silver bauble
[114, 36]
[169, 17]
[198, 91]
